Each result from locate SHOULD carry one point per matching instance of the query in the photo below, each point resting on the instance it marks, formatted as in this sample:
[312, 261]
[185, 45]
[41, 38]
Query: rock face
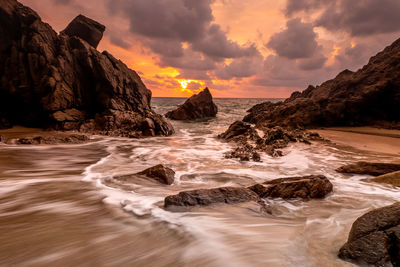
[205, 197]
[392, 178]
[369, 96]
[62, 82]
[160, 173]
[196, 107]
[307, 187]
[375, 238]
[369, 168]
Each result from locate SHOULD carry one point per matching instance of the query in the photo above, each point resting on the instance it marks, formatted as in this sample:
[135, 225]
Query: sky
[237, 48]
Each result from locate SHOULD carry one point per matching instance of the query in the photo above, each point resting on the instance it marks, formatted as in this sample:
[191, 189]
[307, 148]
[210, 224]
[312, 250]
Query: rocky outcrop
[307, 187]
[196, 107]
[392, 178]
[369, 96]
[62, 82]
[48, 139]
[369, 168]
[160, 173]
[374, 238]
[252, 140]
[205, 197]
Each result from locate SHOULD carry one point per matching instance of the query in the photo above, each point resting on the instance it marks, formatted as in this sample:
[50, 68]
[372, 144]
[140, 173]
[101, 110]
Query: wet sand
[364, 138]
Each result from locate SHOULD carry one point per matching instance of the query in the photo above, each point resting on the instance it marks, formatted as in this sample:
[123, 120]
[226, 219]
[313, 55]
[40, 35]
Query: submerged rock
[205, 197]
[53, 139]
[196, 107]
[369, 96]
[62, 82]
[374, 238]
[160, 173]
[392, 178]
[307, 187]
[369, 168]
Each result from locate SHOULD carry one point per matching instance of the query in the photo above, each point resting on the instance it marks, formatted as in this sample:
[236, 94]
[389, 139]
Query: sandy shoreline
[364, 138]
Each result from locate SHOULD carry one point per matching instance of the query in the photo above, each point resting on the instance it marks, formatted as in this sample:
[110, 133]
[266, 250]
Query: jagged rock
[374, 238]
[196, 107]
[392, 178]
[62, 82]
[238, 128]
[49, 139]
[369, 96]
[87, 29]
[205, 197]
[160, 173]
[369, 168]
[307, 187]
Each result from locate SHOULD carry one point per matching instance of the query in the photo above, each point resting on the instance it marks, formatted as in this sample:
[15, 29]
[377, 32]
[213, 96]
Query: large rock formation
[196, 107]
[307, 187]
[370, 96]
[374, 238]
[63, 82]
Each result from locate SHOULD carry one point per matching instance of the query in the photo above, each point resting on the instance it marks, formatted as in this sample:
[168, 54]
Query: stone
[392, 178]
[369, 168]
[54, 139]
[198, 106]
[85, 28]
[307, 187]
[205, 197]
[374, 238]
[61, 82]
[160, 173]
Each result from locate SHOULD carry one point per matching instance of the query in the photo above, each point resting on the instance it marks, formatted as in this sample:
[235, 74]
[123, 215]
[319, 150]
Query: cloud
[298, 40]
[241, 68]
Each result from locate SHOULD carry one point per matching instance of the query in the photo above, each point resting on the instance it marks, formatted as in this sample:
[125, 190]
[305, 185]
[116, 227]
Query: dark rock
[62, 82]
[87, 29]
[238, 128]
[307, 187]
[369, 96]
[196, 107]
[369, 168]
[392, 178]
[375, 238]
[50, 139]
[205, 197]
[160, 173]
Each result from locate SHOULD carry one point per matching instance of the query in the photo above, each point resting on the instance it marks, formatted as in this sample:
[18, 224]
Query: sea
[60, 205]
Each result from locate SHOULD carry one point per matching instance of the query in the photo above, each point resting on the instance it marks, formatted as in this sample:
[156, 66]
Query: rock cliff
[62, 82]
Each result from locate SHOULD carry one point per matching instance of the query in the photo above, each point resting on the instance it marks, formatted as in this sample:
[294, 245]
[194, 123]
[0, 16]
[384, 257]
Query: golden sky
[238, 48]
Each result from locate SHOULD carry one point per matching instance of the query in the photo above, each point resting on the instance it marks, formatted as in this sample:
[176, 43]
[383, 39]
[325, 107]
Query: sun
[184, 83]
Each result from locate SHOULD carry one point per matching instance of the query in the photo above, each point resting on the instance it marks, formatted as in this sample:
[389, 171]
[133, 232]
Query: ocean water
[61, 204]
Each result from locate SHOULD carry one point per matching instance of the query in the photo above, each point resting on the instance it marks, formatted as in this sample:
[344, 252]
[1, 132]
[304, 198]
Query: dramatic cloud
[297, 41]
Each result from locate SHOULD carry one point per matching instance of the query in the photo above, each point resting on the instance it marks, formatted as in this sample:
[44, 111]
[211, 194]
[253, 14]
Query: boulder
[238, 128]
[307, 187]
[85, 28]
[369, 96]
[205, 197]
[369, 168]
[374, 238]
[51, 139]
[196, 107]
[160, 173]
[392, 178]
[62, 82]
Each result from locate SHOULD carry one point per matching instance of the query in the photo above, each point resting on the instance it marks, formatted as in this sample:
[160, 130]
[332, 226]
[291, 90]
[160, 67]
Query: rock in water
[307, 187]
[392, 178]
[370, 96]
[375, 238]
[369, 168]
[196, 107]
[62, 82]
[205, 197]
[87, 29]
[160, 173]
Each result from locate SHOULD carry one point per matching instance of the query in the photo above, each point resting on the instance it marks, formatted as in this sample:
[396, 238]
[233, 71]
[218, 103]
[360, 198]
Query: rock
[392, 178]
[369, 168]
[238, 128]
[374, 238]
[50, 140]
[369, 96]
[160, 173]
[307, 187]
[85, 28]
[205, 197]
[62, 82]
[196, 107]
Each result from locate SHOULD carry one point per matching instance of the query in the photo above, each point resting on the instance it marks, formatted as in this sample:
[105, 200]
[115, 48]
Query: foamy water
[46, 189]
